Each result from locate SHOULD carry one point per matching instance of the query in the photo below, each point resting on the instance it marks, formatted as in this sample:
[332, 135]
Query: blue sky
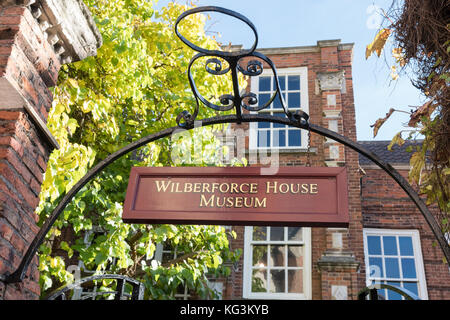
[286, 23]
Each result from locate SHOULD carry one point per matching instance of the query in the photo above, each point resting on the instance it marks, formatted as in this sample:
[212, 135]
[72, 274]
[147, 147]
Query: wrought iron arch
[237, 101]
[136, 289]
[372, 292]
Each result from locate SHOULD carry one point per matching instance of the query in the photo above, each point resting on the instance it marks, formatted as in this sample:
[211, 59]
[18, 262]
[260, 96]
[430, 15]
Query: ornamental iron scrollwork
[249, 102]
[239, 61]
[372, 292]
[87, 289]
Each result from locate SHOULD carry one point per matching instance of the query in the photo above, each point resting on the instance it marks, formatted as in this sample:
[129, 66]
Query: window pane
[279, 138]
[263, 98]
[294, 83]
[263, 138]
[295, 234]
[277, 233]
[281, 115]
[295, 281]
[392, 295]
[260, 256]
[392, 270]
[382, 293]
[406, 248]
[411, 286]
[294, 138]
[277, 281]
[276, 258]
[293, 100]
[259, 280]
[259, 233]
[277, 101]
[264, 125]
[374, 245]
[390, 245]
[282, 82]
[295, 256]
[376, 267]
[408, 268]
[264, 83]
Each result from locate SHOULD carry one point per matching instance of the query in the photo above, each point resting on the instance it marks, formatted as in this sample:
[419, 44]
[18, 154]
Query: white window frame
[307, 274]
[304, 104]
[158, 256]
[418, 259]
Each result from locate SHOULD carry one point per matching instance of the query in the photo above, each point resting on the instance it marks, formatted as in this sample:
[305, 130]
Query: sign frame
[234, 216]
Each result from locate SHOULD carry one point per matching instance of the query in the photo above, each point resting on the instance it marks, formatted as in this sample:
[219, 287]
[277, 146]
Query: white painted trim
[307, 49]
[304, 101]
[307, 273]
[13, 100]
[395, 166]
[418, 258]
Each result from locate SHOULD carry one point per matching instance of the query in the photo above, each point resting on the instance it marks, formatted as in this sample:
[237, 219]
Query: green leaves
[135, 86]
[431, 159]
[396, 140]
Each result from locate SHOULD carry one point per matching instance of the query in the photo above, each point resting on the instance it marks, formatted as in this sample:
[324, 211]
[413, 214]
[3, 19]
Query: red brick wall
[325, 59]
[385, 205]
[355, 234]
[28, 66]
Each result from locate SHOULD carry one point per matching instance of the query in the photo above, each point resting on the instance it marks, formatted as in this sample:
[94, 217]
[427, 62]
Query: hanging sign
[297, 196]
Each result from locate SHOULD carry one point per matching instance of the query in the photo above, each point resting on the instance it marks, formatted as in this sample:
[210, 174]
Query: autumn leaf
[425, 110]
[376, 126]
[378, 43]
[396, 140]
[397, 53]
[417, 162]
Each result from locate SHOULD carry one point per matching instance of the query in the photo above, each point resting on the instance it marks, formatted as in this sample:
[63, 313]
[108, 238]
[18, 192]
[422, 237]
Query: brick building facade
[387, 208]
[387, 239]
[36, 38]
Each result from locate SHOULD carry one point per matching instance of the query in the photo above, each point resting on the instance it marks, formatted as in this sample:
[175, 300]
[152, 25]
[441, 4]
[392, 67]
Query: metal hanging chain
[308, 151]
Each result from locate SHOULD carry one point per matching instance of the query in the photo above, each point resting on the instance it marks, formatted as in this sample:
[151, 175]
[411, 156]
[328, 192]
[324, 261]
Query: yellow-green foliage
[136, 85]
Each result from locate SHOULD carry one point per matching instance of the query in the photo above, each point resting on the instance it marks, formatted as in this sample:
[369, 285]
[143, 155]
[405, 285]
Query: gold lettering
[293, 191]
[178, 188]
[248, 205]
[229, 202]
[187, 187]
[205, 187]
[206, 203]
[314, 188]
[260, 204]
[215, 186]
[218, 204]
[197, 187]
[274, 187]
[162, 185]
[227, 187]
[234, 188]
[285, 186]
[238, 203]
[305, 188]
[253, 188]
[241, 189]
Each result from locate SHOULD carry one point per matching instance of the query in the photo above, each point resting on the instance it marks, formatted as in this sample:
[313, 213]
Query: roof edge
[300, 49]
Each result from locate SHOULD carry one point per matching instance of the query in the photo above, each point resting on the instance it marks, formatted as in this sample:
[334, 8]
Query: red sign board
[295, 196]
